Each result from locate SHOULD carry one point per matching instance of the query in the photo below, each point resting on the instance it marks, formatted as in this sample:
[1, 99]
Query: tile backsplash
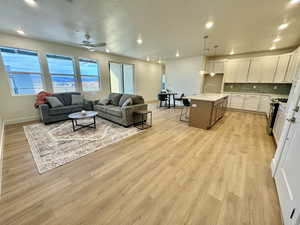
[281, 89]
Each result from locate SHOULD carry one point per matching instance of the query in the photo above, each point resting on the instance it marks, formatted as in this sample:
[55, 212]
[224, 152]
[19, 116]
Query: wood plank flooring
[171, 174]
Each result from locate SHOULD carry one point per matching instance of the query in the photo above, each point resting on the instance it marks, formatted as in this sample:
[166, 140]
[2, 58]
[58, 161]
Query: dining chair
[162, 99]
[185, 110]
[180, 98]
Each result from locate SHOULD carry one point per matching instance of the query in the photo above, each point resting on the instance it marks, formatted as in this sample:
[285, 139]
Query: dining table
[169, 95]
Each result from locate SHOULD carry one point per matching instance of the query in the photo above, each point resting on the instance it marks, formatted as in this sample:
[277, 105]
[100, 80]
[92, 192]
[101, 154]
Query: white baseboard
[21, 119]
[1, 153]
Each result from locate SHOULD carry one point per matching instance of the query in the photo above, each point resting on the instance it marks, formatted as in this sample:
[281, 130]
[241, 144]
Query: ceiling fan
[89, 44]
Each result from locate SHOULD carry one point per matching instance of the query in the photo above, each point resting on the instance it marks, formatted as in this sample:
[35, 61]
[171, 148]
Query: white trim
[1, 152]
[21, 119]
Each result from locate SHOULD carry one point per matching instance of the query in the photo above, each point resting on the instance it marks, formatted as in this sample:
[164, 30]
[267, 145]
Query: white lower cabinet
[279, 122]
[264, 104]
[251, 102]
[236, 101]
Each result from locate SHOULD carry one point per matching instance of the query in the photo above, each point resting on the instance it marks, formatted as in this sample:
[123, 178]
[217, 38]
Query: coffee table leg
[73, 125]
[95, 121]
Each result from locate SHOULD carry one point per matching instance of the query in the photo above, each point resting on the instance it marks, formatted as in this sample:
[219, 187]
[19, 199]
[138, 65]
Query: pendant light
[202, 72]
[213, 73]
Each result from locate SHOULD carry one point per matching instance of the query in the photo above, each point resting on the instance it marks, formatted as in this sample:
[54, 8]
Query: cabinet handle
[292, 214]
[292, 120]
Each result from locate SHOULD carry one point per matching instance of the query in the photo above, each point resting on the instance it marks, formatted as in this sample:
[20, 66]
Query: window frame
[86, 75]
[62, 74]
[17, 72]
[133, 65]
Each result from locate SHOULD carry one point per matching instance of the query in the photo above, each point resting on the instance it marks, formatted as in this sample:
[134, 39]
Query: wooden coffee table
[79, 116]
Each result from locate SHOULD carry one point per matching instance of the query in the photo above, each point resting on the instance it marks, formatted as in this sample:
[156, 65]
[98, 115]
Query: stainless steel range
[273, 113]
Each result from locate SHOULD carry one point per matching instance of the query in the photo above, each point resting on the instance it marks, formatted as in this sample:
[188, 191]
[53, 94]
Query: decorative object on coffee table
[83, 115]
[142, 117]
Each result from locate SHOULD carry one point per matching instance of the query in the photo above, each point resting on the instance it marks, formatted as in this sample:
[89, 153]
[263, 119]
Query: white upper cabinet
[236, 70]
[262, 69]
[255, 70]
[282, 67]
[269, 68]
[215, 66]
[293, 67]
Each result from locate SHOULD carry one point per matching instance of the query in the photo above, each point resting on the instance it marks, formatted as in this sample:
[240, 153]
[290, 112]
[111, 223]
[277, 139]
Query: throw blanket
[41, 98]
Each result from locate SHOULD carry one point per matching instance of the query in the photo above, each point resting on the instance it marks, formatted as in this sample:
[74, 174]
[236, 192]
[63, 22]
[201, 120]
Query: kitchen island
[206, 109]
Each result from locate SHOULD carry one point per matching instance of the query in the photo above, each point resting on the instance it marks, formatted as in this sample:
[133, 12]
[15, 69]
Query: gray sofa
[117, 113]
[50, 115]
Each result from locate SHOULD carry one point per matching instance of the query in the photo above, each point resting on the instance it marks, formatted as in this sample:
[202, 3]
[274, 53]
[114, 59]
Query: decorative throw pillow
[104, 101]
[128, 102]
[115, 98]
[77, 100]
[54, 102]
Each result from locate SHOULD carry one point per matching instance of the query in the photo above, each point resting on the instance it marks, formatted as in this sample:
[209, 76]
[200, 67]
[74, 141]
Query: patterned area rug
[56, 144]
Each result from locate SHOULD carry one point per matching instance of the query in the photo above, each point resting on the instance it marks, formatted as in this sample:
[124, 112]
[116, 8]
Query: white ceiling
[165, 25]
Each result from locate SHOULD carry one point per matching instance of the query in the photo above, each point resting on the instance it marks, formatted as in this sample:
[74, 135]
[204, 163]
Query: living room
[149, 112]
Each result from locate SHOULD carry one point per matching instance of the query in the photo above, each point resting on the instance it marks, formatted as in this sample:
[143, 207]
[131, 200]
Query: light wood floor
[170, 174]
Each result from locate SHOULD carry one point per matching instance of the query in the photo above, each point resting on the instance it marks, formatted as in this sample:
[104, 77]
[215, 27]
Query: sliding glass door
[121, 78]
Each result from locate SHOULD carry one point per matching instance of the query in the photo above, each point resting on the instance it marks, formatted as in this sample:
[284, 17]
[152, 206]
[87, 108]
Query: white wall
[183, 75]
[20, 108]
[1, 149]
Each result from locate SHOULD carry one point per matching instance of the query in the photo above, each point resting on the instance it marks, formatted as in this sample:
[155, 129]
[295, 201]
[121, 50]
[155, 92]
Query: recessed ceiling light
[294, 1]
[20, 31]
[277, 39]
[283, 26]
[232, 52]
[209, 25]
[148, 59]
[139, 40]
[31, 3]
[273, 47]
[107, 50]
[177, 54]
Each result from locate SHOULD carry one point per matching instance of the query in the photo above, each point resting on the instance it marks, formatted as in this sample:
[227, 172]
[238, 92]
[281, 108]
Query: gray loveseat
[115, 112]
[50, 115]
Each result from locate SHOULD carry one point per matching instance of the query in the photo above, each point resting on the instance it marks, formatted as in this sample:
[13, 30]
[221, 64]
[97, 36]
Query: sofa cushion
[104, 101]
[66, 98]
[101, 108]
[77, 99]
[64, 110]
[113, 110]
[115, 98]
[136, 99]
[54, 102]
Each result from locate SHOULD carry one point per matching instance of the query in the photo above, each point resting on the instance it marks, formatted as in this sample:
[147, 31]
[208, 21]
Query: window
[62, 73]
[24, 70]
[89, 74]
[121, 78]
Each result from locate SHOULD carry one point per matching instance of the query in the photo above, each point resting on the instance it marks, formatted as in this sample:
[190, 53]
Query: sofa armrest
[88, 105]
[44, 109]
[127, 112]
